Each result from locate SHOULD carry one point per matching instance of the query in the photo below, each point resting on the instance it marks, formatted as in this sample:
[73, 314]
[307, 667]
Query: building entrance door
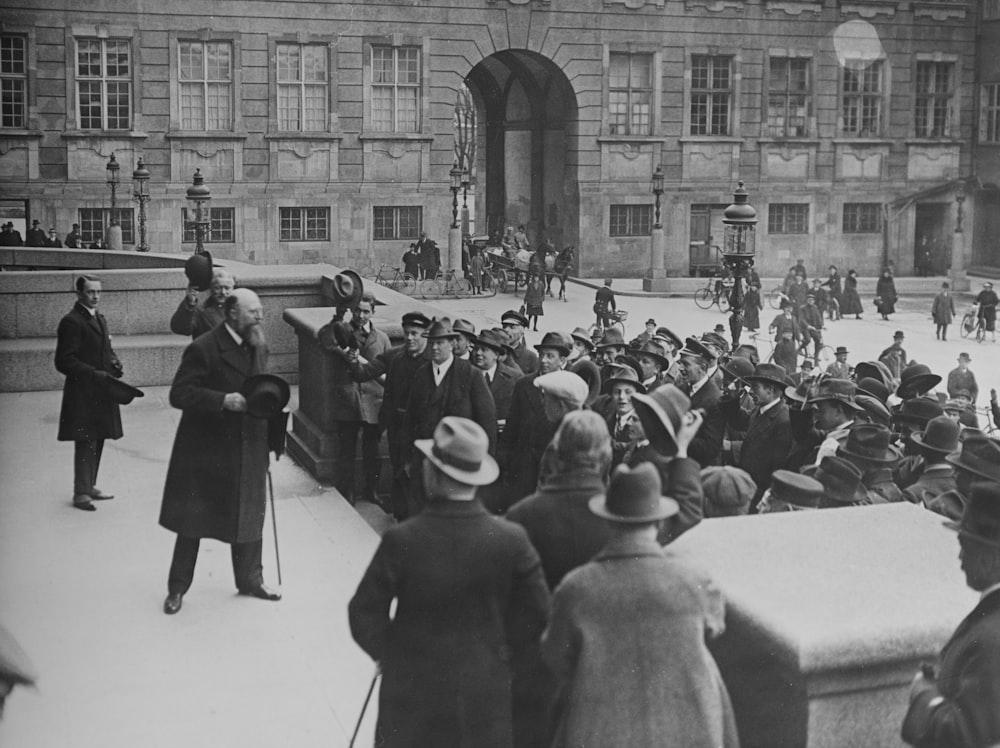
[931, 243]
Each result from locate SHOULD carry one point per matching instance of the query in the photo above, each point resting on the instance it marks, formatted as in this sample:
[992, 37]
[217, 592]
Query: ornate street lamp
[466, 181]
[739, 248]
[199, 194]
[959, 212]
[140, 193]
[456, 185]
[113, 176]
[658, 191]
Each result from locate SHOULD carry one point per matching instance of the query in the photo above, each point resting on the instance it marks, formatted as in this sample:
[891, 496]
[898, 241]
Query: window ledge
[15, 132]
[862, 141]
[413, 136]
[710, 139]
[630, 139]
[790, 141]
[932, 141]
[303, 136]
[205, 135]
[106, 134]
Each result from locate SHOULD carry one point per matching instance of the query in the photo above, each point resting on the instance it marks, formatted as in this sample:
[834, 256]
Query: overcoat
[963, 380]
[969, 680]
[351, 400]
[851, 303]
[520, 466]
[943, 309]
[707, 443]
[627, 643]
[527, 359]
[680, 479]
[197, 321]
[885, 295]
[470, 593]
[83, 351]
[215, 484]
[766, 445]
[933, 482]
[502, 388]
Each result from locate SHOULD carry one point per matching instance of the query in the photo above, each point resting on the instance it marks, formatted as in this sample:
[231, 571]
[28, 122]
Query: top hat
[652, 350]
[870, 442]
[624, 374]
[738, 368]
[347, 288]
[918, 410]
[612, 338]
[633, 497]
[981, 518]
[915, 380]
[980, 455]
[513, 317]
[876, 370]
[266, 395]
[564, 385]
[121, 392]
[873, 388]
[460, 450]
[841, 479]
[940, 435]
[795, 488]
[660, 413]
[832, 388]
[584, 337]
[669, 336]
[772, 374]
[587, 370]
[35, 222]
[840, 349]
[440, 328]
[493, 340]
[416, 319]
[198, 269]
[556, 341]
[466, 328]
[694, 347]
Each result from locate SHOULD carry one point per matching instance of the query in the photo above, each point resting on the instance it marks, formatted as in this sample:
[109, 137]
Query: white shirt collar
[700, 383]
[990, 590]
[91, 310]
[439, 370]
[492, 372]
[765, 408]
[234, 334]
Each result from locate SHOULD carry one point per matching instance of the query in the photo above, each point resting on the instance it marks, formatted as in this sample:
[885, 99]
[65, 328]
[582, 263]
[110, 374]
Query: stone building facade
[326, 132]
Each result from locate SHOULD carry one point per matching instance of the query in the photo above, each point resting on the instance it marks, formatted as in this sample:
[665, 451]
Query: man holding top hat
[469, 595]
[215, 485]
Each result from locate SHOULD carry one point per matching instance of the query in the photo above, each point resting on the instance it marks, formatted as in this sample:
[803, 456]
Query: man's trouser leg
[86, 462]
[182, 565]
[248, 569]
[398, 490]
[371, 433]
[347, 437]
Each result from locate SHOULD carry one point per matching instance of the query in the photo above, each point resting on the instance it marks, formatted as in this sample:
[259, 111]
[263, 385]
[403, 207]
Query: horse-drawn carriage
[510, 271]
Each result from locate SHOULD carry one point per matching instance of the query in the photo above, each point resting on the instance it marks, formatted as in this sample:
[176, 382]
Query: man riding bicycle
[811, 324]
[604, 305]
[987, 301]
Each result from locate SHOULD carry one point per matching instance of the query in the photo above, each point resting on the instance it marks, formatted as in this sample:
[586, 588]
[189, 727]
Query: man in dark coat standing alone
[88, 415]
[216, 479]
[469, 595]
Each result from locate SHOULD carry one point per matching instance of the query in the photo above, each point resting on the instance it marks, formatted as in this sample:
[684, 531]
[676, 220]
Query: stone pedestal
[959, 280]
[829, 614]
[455, 249]
[656, 276]
[113, 237]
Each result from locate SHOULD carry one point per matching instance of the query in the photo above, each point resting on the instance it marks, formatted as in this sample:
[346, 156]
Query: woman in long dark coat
[833, 282]
[851, 303]
[752, 305]
[885, 294]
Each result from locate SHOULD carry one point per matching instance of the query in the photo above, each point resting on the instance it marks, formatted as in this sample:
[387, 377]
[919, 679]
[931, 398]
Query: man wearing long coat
[215, 485]
[768, 441]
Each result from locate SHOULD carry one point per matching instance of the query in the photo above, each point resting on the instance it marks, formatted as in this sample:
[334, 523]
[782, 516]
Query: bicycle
[616, 320]
[715, 293]
[972, 322]
[446, 283]
[402, 282]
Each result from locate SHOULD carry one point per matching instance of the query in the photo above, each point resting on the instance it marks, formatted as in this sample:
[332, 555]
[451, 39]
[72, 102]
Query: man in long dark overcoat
[696, 360]
[469, 595]
[88, 415]
[215, 484]
[768, 441]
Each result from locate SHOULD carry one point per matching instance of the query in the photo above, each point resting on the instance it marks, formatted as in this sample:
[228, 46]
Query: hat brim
[893, 454]
[776, 382]
[957, 462]
[655, 422]
[845, 401]
[919, 441]
[587, 342]
[663, 361]
[665, 508]
[910, 388]
[252, 383]
[488, 471]
[121, 392]
[563, 350]
[606, 385]
[957, 527]
[522, 321]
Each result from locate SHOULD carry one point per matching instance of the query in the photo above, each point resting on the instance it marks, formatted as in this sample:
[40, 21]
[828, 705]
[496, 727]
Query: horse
[559, 266]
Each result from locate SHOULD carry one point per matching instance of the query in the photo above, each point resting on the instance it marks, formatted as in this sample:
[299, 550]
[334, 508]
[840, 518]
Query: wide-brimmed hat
[121, 392]
[940, 435]
[795, 488]
[198, 269]
[440, 328]
[612, 338]
[694, 347]
[556, 341]
[869, 441]
[623, 374]
[653, 350]
[416, 319]
[584, 337]
[346, 289]
[563, 385]
[738, 368]
[799, 393]
[981, 517]
[728, 490]
[464, 327]
[832, 388]
[873, 388]
[660, 413]
[841, 479]
[493, 340]
[876, 370]
[633, 497]
[460, 450]
[980, 455]
[918, 410]
[266, 395]
[915, 380]
[669, 336]
[515, 317]
[771, 373]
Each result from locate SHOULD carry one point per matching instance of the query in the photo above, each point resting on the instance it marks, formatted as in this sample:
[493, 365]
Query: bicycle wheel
[825, 358]
[704, 298]
[461, 287]
[502, 280]
[723, 302]
[407, 285]
[430, 288]
[774, 298]
[489, 287]
[968, 325]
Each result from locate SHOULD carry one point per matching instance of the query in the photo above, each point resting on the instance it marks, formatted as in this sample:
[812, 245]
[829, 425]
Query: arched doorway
[528, 115]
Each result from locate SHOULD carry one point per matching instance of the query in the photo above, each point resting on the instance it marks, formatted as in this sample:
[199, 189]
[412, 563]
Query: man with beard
[194, 319]
[514, 324]
[769, 438]
[696, 362]
[215, 481]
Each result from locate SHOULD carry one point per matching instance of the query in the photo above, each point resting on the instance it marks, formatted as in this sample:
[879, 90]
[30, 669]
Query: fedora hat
[915, 380]
[841, 479]
[266, 395]
[669, 336]
[460, 450]
[738, 368]
[876, 370]
[832, 388]
[772, 374]
[584, 337]
[940, 435]
[694, 347]
[556, 341]
[493, 340]
[440, 328]
[623, 374]
[416, 319]
[653, 350]
[198, 269]
[633, 497]
[841, 349]
[587, 370]
[346, 289]
[563, 385]
[980, 456]
[874, 409]
[796, 488]
[799, 393]
[627, 360]
[981, 518]
[873, 388]
[660, 413]
[464, 327]
[870, 442]
[918, 410]
[121, 392]
[513, 317]
[611, 338]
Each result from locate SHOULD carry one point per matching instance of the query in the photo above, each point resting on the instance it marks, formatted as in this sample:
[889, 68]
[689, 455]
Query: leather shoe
[173, 603]
[99, 495]
[84, 505]
[262, 592]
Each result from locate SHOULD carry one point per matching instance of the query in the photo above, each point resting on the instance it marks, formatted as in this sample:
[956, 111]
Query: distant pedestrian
[943, 311]
[840, 369]
[72, 240]
[961, 378]
[35, 236]
[411, 262]
[98, 243]
[476, 269]
[52, 240]
[851, 303]
[885, 294]
[9, 236]
[987, 301]
[836, 293]
[534, 298]
[894, 357]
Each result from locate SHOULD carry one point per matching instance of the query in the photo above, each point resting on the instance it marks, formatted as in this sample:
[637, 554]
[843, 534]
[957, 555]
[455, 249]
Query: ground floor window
[94, 222]
[305, 224]
[631, 220]
[862, 218]
[397, 221]
[221, 230]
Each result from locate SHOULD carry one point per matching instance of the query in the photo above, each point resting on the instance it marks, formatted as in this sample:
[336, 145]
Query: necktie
[489, 380]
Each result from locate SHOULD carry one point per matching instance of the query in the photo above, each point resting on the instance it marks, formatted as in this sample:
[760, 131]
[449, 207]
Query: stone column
[656, 276]
[455, 249]
[959, 280]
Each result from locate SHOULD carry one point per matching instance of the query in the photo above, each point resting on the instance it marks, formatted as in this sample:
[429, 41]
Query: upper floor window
[13, 81]
[104, 84]
[991, 9]
[303, 83]
[711, 94]
[304, 224]
[861, 107]
[206, 85]
[991, 113]
[788, 218]
[630, 94]
[221, 229]
[395, 89]
[862, 218]
[397, 221]
[935, 89]
[788, 98]
[631, 220]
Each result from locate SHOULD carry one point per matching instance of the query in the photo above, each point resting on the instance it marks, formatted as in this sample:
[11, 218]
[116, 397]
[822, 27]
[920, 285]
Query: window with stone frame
[934, 97]
[788, 218]
[789, 96]
[990, 132]
[991, 9]
[13, 81]
[862, 218]
[862, 98]
[94, 222]
[222, 223]
[631, 220]
[711, 94]
[304, 224]
[397, 222]
[303, 80]
[395, 89]
[205, 77]
[104, 84]
[630, 94]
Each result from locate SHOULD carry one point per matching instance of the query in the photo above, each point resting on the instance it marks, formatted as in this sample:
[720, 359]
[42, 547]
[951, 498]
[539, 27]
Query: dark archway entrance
[525, 174]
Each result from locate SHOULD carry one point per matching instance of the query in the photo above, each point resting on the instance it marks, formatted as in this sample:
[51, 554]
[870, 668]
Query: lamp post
[199, 194]
[455, 234]
[959, 280]
[114, 170]
[656, 276]
[466, 181]
[739, 248]
[140, 193]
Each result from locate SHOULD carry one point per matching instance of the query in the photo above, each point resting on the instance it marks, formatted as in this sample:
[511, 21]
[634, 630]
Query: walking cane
[364, 707]
[277, 430]
[274, 524]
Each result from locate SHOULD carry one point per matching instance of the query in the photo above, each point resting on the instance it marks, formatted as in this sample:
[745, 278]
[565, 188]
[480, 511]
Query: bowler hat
[738, 368]
[964, 357]
[651, 321]
[981, 518]
[980, 456]
[694, 347]
[660, 413]
[832, 388]
[771, 374]
[347, 288]
[492, 339]
[584, 337]
[870, 442]
[513, 317]
[898, 335]
[622, 374]
[841, 479]
[874, 388]
[669, 336]
[612, 338]
[587, 370]
[795, 488]
[915, 380]
[874, 409]
[653, 350]
[918, 410]
[633, 497]
[564, 385]
[466, 328]
[198, 269]
[460, 450]
[266, 395]
[440, 328]
[940, 435]
[121, 392]
[728, 490]
[416, 319]
[876, 370]
[556, 341]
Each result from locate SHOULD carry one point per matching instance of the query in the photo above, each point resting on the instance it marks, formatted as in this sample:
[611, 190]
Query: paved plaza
[82, 592]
